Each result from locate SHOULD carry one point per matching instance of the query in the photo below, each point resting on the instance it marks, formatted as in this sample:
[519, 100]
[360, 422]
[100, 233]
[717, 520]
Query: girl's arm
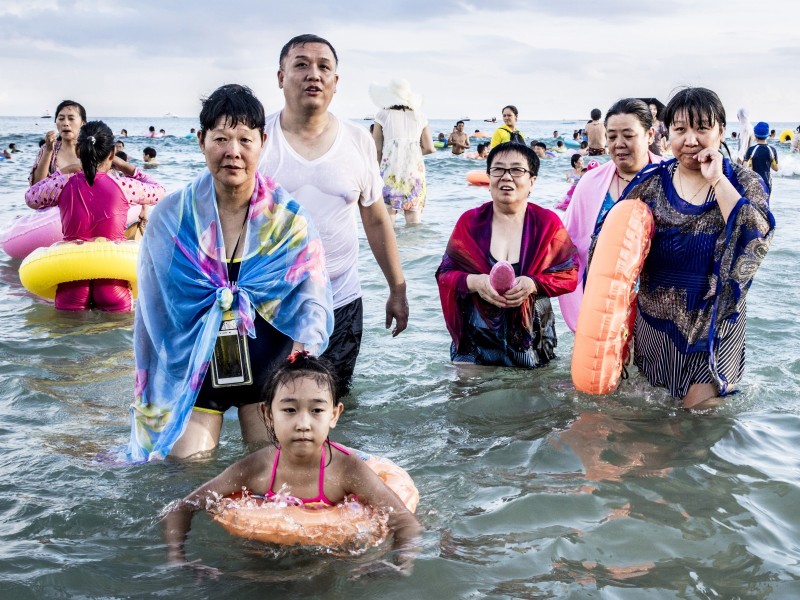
[371, 490]
[137, 187]
[45, 193]
[177, 520]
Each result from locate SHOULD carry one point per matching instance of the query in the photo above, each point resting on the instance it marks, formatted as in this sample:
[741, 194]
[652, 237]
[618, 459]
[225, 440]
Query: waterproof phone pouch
[230, 363]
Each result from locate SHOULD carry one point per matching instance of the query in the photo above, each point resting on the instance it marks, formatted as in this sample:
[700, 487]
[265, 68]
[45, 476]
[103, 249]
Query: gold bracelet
[716, 181]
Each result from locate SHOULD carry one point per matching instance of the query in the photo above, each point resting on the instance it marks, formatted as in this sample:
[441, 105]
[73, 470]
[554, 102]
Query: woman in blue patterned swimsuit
[713, 228]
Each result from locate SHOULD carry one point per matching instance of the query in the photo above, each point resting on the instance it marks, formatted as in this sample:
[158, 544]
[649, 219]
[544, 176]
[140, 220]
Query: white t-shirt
[329, 188]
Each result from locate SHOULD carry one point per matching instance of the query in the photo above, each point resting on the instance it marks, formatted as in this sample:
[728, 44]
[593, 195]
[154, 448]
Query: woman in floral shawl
[713, 228]
[517, 328]
[231, 280]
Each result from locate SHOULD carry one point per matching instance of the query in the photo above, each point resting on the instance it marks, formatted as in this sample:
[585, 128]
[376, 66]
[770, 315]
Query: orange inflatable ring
[478, 177]
[342, 529]
[608, 309]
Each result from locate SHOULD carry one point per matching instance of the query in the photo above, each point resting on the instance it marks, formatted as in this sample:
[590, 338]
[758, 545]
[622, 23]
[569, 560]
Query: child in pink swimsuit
[299, 409]
[94, 203]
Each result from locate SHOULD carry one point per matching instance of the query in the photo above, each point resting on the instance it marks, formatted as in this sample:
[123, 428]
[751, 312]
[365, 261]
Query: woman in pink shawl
[629, 126]
[515, 328]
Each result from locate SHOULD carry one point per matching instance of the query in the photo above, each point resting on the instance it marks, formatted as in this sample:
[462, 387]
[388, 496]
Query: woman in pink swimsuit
[94, 203]
[300, 408]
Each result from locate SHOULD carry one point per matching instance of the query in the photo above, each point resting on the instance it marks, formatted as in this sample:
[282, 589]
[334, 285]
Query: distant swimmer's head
[302, 40]
[95, 145]
[576, 158]
[149, 154]
[698, 106]
[510, 114]
[596, 114]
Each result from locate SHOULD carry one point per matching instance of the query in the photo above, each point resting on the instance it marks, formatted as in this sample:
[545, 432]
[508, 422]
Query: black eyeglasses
[515, 172]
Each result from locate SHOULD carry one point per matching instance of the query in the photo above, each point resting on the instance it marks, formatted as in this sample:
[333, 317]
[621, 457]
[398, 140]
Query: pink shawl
[580, 220]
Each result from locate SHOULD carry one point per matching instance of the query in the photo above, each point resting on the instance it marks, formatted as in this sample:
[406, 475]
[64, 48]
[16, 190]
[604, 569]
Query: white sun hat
[397, 93]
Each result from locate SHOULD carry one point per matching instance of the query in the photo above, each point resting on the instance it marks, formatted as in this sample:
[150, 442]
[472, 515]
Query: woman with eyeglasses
[514, 327]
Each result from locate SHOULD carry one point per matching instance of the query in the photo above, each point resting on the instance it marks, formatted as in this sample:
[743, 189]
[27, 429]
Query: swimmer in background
[151, 132]
[480, 134]
[442, 139]
[161, 133]
[119, 146]
[481, 153]
[796, 140]
[459, 140]
[596, 134]
[573, 177]
[12, 148]
[560, 147]
[540, 148]
[123, 133]
[761, 157]
[149, 158]
[299, 408]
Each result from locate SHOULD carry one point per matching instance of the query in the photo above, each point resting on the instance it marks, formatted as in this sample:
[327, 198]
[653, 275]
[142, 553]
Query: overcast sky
[554, 59]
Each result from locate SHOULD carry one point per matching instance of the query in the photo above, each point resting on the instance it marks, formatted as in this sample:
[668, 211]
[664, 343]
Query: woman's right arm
[41, 166]
[377, 135]
[426, 141]
[45, 193]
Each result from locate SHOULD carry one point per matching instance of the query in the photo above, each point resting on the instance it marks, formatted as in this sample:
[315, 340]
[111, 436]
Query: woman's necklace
[680, 185]
[623, 179]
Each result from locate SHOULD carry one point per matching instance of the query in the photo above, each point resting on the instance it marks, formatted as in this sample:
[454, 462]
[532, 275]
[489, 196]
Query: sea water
[528, 488]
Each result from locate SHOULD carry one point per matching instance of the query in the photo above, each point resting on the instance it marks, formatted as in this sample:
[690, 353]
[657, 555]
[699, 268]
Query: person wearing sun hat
[402, 136]
[761, 157]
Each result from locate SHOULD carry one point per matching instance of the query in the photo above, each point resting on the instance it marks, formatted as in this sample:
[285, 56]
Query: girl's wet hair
[634, 107]
[574, 160]
[66, 103]
[95, 143]
[298, 365]
[701, 105]
[237, 104]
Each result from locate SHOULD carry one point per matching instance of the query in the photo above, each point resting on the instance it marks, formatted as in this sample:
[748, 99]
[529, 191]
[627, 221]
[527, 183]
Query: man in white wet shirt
[329, 166]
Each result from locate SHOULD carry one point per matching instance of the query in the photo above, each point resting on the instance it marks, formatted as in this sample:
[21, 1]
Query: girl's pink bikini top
[320, 498]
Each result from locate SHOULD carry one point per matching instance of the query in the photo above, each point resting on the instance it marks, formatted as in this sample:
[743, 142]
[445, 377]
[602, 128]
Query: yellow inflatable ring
[341, 529]
[786, 135]
[45, 268]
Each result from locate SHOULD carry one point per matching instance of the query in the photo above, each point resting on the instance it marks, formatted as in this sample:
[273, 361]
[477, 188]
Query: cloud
[552, 59]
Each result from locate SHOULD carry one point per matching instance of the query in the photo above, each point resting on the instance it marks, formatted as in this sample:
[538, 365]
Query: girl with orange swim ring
[300, 408]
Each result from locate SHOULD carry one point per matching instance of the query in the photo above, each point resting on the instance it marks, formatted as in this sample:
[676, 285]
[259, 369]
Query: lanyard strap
[239, 238]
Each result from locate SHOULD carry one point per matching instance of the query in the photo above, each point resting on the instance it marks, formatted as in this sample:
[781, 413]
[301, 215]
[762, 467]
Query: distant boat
[46, 115]
[369, 118]
[169, 115]
[465, 119]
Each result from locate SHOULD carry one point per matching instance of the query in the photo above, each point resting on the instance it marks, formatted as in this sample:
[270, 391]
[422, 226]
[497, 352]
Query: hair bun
[299, 355]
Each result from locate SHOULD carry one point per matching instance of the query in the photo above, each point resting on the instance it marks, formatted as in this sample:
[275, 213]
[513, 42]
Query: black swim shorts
[267, 351]
[345, 343]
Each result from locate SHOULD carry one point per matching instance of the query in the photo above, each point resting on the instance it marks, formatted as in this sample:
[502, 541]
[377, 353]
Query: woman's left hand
[710, 160]
[524, 287]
